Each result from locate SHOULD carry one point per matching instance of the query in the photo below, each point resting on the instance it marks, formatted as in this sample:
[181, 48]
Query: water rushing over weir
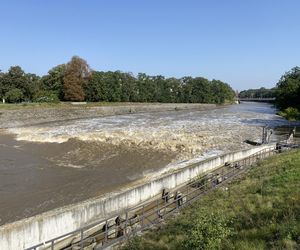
[54, 164]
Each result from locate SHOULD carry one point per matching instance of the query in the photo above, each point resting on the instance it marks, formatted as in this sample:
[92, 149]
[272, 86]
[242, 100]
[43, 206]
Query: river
[45, 166]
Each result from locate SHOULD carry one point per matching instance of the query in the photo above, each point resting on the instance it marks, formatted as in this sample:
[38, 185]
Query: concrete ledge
[34, 230]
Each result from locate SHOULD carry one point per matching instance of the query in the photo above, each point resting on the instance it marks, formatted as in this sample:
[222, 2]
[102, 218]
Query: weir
[37, 229]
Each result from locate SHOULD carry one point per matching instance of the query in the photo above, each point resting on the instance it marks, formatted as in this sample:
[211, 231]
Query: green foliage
[258, 93]
[73, 82]
[291, 114]
[261, 210]
[46, 96]
[207, 231]
[14, 95]
[53, 81]
[118, 86]
[288, 90]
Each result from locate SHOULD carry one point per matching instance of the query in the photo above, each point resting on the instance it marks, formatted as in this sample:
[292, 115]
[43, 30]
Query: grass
[260, 210]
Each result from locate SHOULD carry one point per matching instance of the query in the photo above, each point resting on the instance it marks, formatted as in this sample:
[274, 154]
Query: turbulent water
[58, 163]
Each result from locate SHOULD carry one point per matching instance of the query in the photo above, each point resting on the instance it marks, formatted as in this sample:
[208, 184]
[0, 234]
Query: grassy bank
[260, 210]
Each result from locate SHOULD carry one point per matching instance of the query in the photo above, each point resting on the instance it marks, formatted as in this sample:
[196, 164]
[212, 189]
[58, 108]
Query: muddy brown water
[59, 163]
[30, 183]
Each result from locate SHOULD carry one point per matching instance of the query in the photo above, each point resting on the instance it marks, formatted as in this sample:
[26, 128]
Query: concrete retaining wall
[28, 232]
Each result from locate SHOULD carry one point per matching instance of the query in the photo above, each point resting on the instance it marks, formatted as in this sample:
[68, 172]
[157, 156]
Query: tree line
[258, 93]
[286, 92]
[75, 81]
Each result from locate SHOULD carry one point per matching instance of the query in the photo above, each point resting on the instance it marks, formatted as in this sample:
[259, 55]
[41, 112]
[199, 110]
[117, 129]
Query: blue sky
[247, 43]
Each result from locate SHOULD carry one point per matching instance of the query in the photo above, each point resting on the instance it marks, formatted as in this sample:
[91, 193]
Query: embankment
[37, 229]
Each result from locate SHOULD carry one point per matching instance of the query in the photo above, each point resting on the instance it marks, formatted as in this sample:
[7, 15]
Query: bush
[290, 114]
[207, 232]
[14, 95]
[46, 96]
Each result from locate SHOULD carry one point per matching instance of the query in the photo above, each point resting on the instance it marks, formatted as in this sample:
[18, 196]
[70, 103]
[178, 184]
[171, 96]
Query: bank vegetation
[75, 81]
[260, 210]
[286, 92]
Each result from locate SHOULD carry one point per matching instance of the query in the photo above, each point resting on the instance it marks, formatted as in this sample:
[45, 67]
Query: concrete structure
[31, 231]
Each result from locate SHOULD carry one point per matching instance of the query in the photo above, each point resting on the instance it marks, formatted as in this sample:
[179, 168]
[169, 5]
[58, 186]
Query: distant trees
[76, 77]
[17, 86]
[75, 81]
[124, 87]
[258, 93]
[287, 93]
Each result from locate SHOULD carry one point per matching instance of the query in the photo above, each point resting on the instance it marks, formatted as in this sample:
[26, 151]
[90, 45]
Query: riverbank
[260, 210]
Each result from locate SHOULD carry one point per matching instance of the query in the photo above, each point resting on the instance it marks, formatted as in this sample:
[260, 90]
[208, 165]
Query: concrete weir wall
[31, 231]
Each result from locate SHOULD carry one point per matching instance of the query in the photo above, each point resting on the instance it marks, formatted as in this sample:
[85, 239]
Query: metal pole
[126, 224]
[143, 211]
[106, 230]
[157, 208]
[81, 239]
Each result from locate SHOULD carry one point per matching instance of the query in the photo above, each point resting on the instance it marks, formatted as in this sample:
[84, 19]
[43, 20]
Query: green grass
[260, 210]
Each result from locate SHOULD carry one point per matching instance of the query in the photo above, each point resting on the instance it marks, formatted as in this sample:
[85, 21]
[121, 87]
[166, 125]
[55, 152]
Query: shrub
[46, 96]
[290, 113]
[207, 232]
[14, 95]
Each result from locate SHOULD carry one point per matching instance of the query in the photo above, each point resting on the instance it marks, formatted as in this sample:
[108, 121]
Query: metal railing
[104, 233]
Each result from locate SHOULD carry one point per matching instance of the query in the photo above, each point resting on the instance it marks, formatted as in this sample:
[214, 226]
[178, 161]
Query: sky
[246, 43]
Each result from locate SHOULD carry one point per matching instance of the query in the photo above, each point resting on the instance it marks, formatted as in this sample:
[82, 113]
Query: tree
[16, 78]
[75, 79]
[14, 95]
[54, 80]
[288, 89]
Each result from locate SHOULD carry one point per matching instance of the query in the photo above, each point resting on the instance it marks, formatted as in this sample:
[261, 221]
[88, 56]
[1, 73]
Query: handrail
[213, 177]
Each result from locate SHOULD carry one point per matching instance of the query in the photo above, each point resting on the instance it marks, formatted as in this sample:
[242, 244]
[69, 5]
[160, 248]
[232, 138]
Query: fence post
[81, 239]
[187, 192]
[157, 208]
[143, 212]
[106, 231]
[126, 223]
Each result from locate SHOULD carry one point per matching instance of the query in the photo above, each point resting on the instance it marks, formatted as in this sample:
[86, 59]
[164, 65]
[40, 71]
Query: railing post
[106, 231]
[187, 192]
[81, 239]
[126, 223]
[143, 214]
[157, 208]
[52, 245]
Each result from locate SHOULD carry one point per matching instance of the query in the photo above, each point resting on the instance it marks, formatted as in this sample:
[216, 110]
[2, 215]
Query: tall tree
[54, 80]
[288, 89]
[75, 79]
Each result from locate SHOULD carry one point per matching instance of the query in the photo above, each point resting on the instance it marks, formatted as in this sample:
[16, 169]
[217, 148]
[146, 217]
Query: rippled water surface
[57, 163]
